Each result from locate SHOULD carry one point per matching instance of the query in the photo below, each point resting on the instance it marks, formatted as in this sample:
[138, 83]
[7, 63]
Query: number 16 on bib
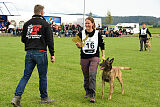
[91, 43]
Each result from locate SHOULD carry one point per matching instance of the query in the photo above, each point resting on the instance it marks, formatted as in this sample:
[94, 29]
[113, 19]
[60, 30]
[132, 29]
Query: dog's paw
[109, 98]
[102, 97]
[122, 92]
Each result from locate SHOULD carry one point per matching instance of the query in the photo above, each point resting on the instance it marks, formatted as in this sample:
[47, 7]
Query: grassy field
[154, 30]
[65, 79]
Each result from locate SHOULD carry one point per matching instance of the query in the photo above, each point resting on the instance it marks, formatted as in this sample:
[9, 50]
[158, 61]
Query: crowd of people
[111, 32]
[70, 30]
[7, 27]
[66, 30]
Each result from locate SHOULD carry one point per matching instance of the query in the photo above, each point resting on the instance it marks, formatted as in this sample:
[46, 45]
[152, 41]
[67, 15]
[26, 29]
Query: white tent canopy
[8, 8]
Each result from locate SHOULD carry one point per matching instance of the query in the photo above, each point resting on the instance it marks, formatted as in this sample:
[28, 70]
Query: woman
[90, 56]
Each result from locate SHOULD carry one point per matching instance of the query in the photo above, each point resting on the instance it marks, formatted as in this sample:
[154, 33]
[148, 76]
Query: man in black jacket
[36, 36]
[143, 36]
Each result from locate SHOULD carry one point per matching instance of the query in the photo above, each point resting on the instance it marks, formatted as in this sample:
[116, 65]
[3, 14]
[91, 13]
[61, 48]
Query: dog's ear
[107, 60]
[111, 61]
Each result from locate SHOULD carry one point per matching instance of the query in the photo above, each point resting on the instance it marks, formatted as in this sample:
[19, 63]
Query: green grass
[154, 30]
[65, 79]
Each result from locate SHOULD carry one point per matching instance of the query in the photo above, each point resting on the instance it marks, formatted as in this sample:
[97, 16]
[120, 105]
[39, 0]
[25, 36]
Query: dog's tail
[125, 68]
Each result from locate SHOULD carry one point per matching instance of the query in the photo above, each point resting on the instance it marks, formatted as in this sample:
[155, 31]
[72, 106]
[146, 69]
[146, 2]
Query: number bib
[91, 43]
[144, 31]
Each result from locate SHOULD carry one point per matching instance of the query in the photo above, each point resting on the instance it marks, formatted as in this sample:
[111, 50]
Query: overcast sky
[99, 7]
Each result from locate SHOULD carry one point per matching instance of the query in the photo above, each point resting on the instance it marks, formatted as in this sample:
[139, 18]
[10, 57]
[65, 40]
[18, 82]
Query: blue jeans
[33, 58]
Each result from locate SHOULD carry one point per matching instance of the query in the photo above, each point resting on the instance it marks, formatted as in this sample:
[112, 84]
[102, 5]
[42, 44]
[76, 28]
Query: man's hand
[78, 44]
[52, 59]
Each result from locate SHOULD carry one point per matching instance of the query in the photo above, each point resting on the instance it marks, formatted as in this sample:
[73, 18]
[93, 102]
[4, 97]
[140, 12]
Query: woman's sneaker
[92, 99]
[46, 100]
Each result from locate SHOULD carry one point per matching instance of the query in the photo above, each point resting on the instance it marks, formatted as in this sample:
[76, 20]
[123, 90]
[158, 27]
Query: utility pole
[84, 15]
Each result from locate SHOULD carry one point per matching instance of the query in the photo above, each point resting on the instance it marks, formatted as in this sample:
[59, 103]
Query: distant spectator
[117, 33]
[62, 28]
[56, 30]
[79, 28]
[3, 28]
[70, 31]
[7, 25]
[107, 33]
[120, 32]
[59, 31]
[14, 32]
[11, 28]
[18, 31]
[52, 25]
[74, 30]
[66, 30]
[111, 33]
[98, 28]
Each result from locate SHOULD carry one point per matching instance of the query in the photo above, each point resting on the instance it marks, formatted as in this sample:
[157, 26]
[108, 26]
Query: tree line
[149, 20]
[109, 19]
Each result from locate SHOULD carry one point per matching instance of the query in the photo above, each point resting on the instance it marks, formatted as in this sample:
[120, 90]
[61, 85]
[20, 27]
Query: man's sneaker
[92, 99]
[86, 96]
[46, 100]
[16, 101]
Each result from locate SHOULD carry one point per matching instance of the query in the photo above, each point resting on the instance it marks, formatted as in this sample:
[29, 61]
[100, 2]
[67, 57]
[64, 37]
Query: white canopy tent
[8, 9]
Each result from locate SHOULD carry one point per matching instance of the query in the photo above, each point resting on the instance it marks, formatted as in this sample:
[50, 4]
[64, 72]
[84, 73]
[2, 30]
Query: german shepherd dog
[148, 44]
[110, 73]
